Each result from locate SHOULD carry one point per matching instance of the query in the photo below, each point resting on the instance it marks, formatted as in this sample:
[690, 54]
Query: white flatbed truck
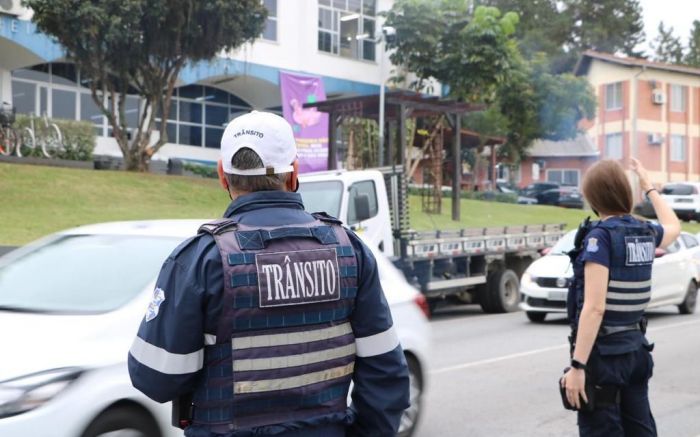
[473, 265]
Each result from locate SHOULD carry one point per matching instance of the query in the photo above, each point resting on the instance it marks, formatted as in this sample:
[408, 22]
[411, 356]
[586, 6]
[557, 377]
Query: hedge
[474, 195]
[78, 136]
[205, 171]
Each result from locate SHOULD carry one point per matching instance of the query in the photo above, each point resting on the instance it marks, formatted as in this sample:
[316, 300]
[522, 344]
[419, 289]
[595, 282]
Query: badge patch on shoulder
[154, 306]
[297, 278]
[592, 245]
[639, 250]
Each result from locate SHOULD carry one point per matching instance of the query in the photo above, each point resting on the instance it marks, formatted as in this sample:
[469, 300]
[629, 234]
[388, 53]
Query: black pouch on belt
[590, 390]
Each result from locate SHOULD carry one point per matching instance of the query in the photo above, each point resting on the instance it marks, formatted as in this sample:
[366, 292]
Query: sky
[677, 13]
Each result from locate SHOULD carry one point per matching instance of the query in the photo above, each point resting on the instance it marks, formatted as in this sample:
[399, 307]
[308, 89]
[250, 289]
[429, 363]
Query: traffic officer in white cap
[259, 324]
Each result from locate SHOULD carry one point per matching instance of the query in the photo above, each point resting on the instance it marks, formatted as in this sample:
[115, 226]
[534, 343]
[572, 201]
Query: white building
[333, 39]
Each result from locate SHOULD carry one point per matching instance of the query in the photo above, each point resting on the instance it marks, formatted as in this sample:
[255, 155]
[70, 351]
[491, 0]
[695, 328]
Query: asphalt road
[496, 375]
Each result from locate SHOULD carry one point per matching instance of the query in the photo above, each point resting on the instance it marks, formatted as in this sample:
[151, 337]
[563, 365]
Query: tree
[442, 40]
[477, 57]
[667, 47]
[139, 47]
[692, 56]
[606, 25]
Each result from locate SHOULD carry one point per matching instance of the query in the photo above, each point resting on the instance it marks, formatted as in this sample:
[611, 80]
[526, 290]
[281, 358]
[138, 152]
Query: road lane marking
[498, 359]
[542, 350]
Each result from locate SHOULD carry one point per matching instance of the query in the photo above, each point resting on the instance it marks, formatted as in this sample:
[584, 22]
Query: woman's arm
[667, 218]
[595, 290]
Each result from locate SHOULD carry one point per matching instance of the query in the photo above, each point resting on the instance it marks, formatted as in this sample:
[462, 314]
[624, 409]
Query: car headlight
[19, 395]
[527, 279]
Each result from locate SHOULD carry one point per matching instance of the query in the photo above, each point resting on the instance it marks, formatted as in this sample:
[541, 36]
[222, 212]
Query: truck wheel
[502, 292]
[536, 316]
[691, 298]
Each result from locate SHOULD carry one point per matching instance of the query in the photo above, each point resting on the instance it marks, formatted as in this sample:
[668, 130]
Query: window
[198, 115]
[613, 146]
[564, 176]
[677, 148]
[270, 31]
[24, 97]
[613, 96]
[362, 188]
[347, 28]
[678, 96]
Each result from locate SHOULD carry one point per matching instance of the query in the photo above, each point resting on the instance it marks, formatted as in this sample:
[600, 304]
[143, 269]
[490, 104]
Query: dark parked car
[566, 197]
[536, 188]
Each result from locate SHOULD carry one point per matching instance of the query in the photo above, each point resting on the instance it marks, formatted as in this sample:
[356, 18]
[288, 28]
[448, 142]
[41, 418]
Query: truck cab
[358, 198]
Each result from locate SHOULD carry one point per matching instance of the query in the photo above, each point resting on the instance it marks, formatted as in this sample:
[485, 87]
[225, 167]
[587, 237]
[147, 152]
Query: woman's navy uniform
[620, 362]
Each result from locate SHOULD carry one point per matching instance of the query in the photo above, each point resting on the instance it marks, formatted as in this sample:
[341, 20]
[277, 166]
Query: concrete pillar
[5, 85]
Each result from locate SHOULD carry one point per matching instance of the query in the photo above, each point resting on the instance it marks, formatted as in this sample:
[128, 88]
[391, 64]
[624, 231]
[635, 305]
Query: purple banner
[310, 126]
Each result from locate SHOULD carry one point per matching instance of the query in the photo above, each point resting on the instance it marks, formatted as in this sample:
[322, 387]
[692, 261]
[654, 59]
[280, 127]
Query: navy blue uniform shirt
[166, 358]
[596, 249]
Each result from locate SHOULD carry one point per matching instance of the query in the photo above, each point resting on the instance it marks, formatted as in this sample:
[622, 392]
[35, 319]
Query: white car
[70, 306]
[674, 279]
[684, 198]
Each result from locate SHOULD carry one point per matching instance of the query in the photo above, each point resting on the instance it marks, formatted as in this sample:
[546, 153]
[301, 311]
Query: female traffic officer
[610, 291]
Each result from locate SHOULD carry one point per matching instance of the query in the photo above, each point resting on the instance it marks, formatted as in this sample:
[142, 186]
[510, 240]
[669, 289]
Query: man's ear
[293, 181]
[222, 177]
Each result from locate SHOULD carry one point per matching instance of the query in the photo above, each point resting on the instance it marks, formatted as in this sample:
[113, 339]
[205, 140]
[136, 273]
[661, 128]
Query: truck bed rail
[481, 241]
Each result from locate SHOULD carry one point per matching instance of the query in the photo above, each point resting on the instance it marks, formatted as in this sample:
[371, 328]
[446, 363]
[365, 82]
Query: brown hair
[606, 187]
[246, 159]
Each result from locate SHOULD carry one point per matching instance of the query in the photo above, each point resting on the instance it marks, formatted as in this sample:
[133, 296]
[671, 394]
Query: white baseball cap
[268, 135]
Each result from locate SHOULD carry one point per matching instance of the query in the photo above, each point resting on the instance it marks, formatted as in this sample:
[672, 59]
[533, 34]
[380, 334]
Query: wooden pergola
[398, 106]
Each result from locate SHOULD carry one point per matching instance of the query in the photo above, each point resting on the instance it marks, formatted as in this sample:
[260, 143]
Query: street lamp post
[388, 35]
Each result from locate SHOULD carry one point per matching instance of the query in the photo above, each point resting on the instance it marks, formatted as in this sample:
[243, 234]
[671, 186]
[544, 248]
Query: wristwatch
[576, 364]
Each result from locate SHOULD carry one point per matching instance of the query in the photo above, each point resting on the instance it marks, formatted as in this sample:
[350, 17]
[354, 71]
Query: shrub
[474, 195]
[205, 171]
[78, 136]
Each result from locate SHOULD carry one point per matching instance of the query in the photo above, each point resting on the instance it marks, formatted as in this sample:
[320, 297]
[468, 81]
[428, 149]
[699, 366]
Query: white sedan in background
[674, 279]
[70, 306]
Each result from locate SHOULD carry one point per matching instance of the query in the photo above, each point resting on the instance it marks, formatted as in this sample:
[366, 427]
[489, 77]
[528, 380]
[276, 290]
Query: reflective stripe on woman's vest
[284, 348]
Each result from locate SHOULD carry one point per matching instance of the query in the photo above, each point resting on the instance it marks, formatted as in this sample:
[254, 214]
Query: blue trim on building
[233, 67]
[24, 33]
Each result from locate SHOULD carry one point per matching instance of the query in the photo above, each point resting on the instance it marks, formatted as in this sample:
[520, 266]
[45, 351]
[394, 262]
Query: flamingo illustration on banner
[309, 125]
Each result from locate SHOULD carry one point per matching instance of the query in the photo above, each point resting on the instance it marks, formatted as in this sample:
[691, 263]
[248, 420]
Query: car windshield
[564, 245]
[678, 190]
[322, 196]
[82, 273]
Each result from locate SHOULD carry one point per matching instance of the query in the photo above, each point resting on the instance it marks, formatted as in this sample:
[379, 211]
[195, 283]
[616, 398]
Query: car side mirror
[659, 252]
[361, 207]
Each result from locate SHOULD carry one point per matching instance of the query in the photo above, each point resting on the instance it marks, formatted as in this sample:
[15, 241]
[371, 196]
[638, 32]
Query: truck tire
[690, 301]
[501, 293]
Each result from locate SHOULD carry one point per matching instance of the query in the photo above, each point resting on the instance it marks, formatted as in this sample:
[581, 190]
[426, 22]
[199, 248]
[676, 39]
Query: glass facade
[197, 116]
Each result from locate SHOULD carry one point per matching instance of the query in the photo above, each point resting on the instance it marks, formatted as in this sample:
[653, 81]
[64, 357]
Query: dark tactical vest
[284, 348]
[632, 247]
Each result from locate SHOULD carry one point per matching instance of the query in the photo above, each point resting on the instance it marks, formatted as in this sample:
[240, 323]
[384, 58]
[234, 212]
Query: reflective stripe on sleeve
[209, 339]
[628, 296]
[377, 344]
[630, 284]
[166, 362]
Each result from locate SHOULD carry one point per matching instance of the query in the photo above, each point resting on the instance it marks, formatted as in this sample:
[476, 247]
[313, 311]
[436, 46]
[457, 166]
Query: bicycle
[8, 136]
[51, 142]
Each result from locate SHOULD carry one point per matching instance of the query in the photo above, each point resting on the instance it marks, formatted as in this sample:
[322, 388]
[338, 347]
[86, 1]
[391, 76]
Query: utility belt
[600, 396]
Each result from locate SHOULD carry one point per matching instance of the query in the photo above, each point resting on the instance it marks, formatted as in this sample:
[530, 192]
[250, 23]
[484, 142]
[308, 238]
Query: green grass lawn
[40, 200]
